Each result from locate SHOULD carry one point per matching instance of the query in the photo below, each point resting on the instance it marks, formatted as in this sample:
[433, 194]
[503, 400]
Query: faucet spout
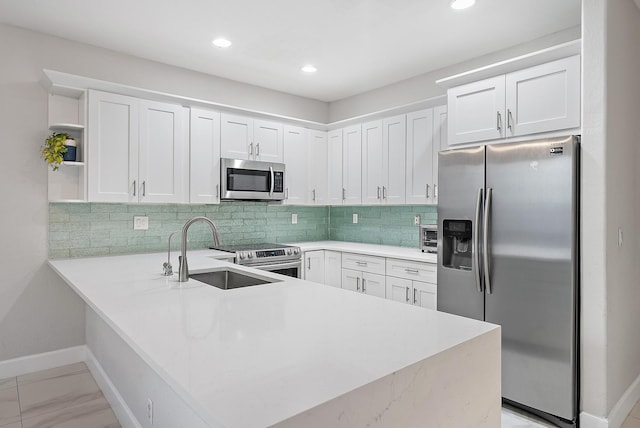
[183, 265]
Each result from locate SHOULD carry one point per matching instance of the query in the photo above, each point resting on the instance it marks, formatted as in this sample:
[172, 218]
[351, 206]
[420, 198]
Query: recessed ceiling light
[462, 4]
[309, 68]
[221, 43]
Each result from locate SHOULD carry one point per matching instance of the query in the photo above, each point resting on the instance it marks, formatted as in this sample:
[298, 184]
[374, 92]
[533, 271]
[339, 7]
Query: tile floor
[68, 397]
[63, 397]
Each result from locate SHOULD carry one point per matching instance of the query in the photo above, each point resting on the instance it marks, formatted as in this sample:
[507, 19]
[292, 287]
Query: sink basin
[227, 279]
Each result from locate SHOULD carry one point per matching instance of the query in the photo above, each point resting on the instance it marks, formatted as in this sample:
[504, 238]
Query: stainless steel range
[278, 258]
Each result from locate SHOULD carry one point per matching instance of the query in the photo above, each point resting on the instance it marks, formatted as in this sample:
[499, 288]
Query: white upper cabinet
[268, 141]
[352, 165]
[295, 159]
[372, 162]
[317, 187]
[394, 147]
[334, 170]
[544, 98]
[236, 137]
[112, 152]
[163, 156]
[420, 157]
[538, 99]
[138, 150]
[253, 139]
[383, 161]
[476, 111]
[204, 157]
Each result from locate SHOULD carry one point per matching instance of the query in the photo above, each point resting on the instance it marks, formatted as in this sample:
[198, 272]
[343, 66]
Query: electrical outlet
[294, 218]
[355, 218]
[140, 222]
[416, 220]
[150, 410]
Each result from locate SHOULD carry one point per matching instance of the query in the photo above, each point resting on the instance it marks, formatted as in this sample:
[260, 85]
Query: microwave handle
[273, 179]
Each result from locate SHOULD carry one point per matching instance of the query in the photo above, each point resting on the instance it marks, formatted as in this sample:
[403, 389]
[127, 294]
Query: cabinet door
[317, 186]
[204, 168]
[374, 284]
[352, 165]
[544, 98]
[439, 143]
[419, 161]
[394, 147]
[334, 171]
[314, 266]
[351, 280]
[333, 268]
[476, 111]
[112, 149]
[372, 169]
[268, 141]
[399, 289]
[163, 163]
[295, 159]
[425, 295]
[236, 137]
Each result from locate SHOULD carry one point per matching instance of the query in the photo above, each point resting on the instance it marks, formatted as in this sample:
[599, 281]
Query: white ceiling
[357, 45]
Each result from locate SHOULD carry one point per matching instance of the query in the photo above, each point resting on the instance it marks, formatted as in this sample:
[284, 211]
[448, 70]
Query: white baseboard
[44, 361]
[618, 413]
[123, 413]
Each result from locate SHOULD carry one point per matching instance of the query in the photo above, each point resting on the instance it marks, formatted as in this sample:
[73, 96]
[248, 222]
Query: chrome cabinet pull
[499, 121]
[314, 194]
[358, 284]
[475, 249]
[407, 270]
[286, 193]
[359, 263]
[378, 192]
[485, 249]
[364, 288]
[309, 263]
[509, 120]
[344, 194]
[384, 192]
[435, 191]
[414, 297]
[144, 188]
[134, 187]
[217, 191]
[407, 294]
[427, 191]
[257, 149]
[250, 149]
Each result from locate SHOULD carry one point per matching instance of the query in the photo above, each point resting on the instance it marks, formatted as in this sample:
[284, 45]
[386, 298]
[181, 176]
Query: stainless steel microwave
[251, 180]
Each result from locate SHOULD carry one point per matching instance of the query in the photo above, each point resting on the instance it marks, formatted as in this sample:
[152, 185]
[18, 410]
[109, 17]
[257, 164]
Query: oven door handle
[287, 265]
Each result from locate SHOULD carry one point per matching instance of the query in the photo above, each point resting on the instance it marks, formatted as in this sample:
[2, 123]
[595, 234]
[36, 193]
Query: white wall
[423, 86]
[38, 312]
[623, 196]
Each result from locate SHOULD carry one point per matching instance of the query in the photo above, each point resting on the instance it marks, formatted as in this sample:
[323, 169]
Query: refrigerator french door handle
[476, 241]
[485, 237]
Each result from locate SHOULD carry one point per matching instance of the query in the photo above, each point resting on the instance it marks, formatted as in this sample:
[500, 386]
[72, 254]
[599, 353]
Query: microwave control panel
[278, 182]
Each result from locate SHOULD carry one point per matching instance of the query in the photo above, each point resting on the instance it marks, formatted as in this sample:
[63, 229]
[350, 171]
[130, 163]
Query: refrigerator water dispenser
[456, 244]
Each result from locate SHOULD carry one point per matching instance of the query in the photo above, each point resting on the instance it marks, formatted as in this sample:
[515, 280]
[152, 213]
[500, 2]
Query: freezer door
[532, 270]
[461, 180]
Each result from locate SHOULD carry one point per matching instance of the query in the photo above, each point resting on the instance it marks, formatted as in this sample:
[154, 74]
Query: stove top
[253, 254]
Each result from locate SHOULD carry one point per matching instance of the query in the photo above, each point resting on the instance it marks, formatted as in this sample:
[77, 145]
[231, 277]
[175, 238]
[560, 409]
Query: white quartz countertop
[255, 356]
[405, 253]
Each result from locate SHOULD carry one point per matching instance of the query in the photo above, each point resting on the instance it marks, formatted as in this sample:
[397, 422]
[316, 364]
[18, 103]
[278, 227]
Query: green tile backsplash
[98, 229]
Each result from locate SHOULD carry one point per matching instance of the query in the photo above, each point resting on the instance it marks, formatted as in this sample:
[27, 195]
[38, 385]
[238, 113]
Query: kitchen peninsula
[289, 354]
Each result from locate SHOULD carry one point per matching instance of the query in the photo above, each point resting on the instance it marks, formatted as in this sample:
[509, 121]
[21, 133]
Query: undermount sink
[227, 279]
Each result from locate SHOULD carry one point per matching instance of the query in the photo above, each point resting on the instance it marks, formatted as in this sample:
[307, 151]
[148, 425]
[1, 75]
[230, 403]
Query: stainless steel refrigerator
[508, 254]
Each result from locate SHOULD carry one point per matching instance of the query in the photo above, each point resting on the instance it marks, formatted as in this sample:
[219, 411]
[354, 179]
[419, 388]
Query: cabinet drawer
[363, 263]
[416, 271]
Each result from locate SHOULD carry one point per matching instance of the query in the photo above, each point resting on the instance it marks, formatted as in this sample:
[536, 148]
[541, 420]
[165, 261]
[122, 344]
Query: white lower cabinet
[314, 266]
[412, 282]
[333, 268]
[364, 282]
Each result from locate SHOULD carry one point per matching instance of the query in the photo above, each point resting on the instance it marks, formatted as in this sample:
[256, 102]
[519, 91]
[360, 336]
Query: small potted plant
[56, 147]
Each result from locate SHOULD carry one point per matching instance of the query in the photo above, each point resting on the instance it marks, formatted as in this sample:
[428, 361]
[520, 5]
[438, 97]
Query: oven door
[293, 269]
